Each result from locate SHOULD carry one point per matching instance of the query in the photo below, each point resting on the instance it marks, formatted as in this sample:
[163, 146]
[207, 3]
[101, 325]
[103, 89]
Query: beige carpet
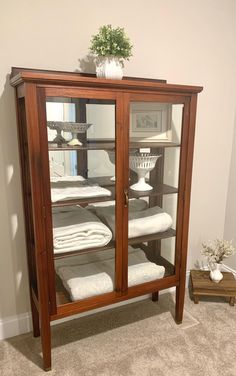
[138, 339]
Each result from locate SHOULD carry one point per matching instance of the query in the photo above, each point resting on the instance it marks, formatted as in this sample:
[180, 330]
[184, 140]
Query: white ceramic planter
[109, 67]
[215, 273]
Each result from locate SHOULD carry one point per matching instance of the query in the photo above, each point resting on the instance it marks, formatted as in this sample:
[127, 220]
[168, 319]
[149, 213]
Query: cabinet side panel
[26, 190]
[37, 187]
[188, 179]
[28, 214]
[182, 184]
[184, 206]
[45, 175]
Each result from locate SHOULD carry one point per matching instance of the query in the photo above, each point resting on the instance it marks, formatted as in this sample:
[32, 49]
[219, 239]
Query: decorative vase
[215, 273]
[109, 67]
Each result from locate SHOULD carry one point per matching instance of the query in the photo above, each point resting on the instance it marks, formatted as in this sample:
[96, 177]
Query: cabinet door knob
[126, 198]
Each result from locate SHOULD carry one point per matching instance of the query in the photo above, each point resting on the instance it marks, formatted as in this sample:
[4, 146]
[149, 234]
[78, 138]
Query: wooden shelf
[152, 145]
[157, 236]
[160, 189]
[84, 251]
[86, 146]
[110, 145]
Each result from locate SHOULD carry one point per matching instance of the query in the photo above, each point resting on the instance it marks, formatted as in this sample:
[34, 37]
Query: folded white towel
[67, 178]
[84, 281]
[71, 187]
[144, 222]
[76, 228]
[149, 221]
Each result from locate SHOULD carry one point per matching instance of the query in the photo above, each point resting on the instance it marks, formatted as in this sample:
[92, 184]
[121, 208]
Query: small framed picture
[147, 121]
[150, 121]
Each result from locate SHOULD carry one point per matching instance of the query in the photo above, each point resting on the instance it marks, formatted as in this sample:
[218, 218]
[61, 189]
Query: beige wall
[184, 41]
[230, 218]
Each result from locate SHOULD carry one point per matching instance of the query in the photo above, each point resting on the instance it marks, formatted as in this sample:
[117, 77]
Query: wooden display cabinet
[130, 117]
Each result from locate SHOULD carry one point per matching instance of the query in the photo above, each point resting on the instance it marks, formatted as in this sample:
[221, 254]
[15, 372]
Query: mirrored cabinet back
[106, 175]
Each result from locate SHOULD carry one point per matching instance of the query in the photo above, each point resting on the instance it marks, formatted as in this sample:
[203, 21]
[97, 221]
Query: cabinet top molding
[21, 75]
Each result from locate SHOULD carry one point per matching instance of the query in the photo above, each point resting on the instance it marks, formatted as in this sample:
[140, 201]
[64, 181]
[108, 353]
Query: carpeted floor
[140, 339]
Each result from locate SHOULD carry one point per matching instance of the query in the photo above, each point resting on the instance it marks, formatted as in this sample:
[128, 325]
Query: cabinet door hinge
[44, 212]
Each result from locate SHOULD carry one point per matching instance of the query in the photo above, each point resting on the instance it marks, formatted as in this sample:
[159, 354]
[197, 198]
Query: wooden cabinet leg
[179, 304]
[155, 296]
[196, 299]
[35, 318]
[44, 313]
[46, 344]
[232, 301]
[45, 330]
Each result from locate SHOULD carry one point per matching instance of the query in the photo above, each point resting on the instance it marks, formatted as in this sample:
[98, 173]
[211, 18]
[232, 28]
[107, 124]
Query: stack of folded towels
[75, 228]
[72, 187]
[142, 220]
[94, 274]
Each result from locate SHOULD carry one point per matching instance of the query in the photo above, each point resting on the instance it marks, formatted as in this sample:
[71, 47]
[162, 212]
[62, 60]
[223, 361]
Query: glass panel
[152, 225]
[81, 139]
[154, 156]
[101, 163]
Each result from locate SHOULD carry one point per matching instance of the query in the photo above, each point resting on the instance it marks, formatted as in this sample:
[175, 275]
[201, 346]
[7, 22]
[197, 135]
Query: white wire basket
[66, 126]
[142, 163]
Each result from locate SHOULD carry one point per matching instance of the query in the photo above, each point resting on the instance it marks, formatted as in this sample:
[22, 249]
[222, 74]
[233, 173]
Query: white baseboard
[13, 325]
[20, 324]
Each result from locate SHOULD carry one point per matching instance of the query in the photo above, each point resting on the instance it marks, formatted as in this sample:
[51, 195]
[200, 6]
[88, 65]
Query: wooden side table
[203, 285]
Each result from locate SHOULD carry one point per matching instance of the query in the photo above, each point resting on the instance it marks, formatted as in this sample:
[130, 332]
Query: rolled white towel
[144, 272]
[144, 222]
[149, 221]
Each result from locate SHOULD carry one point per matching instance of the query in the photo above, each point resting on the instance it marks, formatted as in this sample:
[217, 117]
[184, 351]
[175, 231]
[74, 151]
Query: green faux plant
[111, 42]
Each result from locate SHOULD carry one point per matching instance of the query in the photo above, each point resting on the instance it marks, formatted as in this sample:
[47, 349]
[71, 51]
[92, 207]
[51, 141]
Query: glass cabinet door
[154, 158]
[81, 152]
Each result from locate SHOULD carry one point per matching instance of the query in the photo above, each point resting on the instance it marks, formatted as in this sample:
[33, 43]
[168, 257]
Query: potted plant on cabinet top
[216, 252]
[112, 47]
